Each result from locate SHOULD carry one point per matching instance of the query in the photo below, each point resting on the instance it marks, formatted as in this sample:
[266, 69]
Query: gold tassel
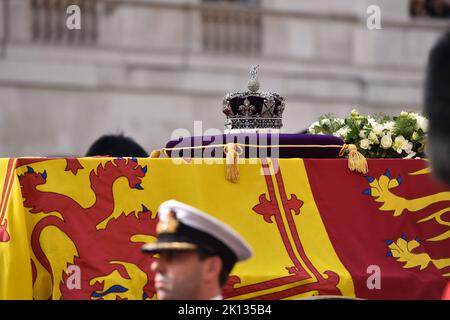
[155, 154]
[356, 161]
[232, 169]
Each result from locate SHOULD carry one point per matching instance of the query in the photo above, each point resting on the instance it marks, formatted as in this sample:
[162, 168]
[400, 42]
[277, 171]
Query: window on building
[430, 8]
[232, 26]
[50, 17]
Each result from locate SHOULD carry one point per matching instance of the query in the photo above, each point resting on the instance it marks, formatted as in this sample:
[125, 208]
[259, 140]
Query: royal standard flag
[315, 227]
[15, 267]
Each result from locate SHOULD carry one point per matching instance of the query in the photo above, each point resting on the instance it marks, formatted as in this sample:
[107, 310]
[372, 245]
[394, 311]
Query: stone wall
[148, 71]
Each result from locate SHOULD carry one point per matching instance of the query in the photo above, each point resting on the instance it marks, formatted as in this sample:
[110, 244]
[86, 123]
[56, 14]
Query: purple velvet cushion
[260, 139]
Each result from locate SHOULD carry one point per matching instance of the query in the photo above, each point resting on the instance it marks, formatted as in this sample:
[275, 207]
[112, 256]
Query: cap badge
[169, 224]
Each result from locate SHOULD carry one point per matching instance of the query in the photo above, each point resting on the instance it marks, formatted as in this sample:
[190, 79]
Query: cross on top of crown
[253, 83]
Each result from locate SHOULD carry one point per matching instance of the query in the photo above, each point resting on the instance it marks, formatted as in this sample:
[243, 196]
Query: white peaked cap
[204, 222]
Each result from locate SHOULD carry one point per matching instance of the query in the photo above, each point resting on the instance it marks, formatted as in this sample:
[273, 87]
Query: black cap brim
[157, 247]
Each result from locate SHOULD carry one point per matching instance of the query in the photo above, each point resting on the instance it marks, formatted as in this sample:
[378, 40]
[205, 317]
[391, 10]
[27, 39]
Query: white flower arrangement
[380, 136]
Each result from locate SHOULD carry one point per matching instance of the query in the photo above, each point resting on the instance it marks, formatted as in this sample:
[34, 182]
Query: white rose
[373, 137]
[386, 141]
[400, 144]
[408, 147]
[404, 113]
[312, 127]
[365, 144]
[422, 123]
[362, 134]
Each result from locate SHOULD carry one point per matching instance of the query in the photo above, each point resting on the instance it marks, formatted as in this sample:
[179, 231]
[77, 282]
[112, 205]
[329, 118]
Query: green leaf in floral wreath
[382, 117]
[405, 126]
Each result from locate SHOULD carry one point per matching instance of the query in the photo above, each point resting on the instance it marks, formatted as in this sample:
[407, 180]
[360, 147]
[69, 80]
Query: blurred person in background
[437, 107]
[417, 8]
[116, 146]
[438, 8]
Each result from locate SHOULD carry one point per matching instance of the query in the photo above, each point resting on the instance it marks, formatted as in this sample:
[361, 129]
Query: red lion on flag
[93, 252]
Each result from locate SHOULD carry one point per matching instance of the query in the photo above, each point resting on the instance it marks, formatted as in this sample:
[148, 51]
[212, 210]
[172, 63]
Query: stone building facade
[148, 67]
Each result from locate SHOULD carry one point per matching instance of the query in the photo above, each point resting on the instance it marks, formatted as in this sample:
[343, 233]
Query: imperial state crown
[253, 111]
[252, 130]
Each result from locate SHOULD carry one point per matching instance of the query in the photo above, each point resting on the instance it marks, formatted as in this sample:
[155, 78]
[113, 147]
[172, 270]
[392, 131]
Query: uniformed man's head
[196, 253]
